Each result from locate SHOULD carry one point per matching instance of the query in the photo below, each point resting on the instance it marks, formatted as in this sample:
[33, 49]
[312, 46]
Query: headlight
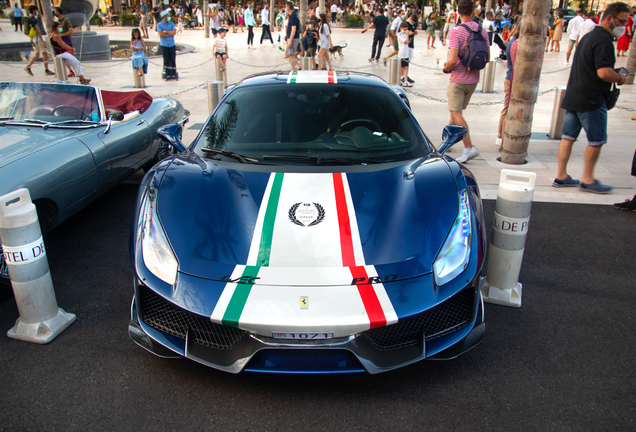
[455, 254]
[157, 253]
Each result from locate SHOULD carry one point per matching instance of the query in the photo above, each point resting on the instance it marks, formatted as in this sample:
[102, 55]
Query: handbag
[612, 97]
[32, 32]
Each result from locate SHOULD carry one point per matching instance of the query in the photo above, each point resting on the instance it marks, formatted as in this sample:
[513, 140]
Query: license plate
[303, 336]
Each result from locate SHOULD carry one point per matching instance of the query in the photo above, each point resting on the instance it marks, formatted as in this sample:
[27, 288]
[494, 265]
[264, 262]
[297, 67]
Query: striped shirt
[458, 38]
[220, 45]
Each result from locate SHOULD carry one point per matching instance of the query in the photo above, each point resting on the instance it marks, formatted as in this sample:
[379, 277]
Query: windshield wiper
[320, 160]
[241, 158]
[11, 121]
[67, 122]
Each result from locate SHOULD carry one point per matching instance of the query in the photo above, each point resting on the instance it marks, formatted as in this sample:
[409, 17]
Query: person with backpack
[469, 53]
[37, 41]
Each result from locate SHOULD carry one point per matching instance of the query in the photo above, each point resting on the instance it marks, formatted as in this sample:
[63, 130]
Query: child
[403, 53]
[180, 25]
[312, 41]
[506, 32]
[137, 45]
[220, 48]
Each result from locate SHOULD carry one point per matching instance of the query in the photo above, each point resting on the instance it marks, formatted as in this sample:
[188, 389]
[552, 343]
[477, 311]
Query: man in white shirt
[573, 32]
[266, 33]
[586, 26]
[334, 12]
[393, 31]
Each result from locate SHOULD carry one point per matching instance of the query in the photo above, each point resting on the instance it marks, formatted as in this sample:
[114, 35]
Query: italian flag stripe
[238, 300]
[331, 77]
[369, 299]
[265, 247]
[291, 79]
[346, 242]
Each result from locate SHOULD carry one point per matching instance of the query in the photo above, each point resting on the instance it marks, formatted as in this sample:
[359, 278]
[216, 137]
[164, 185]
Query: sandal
[84, 81]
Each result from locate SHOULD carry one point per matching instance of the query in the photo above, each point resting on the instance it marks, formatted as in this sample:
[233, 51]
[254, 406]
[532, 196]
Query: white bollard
[23, 248]
[221, 75]
[60, 69]
[215, 93]
[505, 255]
[139, 80]
[394, 70]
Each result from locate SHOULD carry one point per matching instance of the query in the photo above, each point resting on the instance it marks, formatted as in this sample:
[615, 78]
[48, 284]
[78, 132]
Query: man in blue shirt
[293, 35]
[167, 30]
[17, 17]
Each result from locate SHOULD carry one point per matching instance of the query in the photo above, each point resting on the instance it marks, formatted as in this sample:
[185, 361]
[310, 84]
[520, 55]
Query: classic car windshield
[303, 123]
[47, 102]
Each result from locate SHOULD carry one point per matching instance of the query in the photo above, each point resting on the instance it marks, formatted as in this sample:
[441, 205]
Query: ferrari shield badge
[306, 214]
[304, 302]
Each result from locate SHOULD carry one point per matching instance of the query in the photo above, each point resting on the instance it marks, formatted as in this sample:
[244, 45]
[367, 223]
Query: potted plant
[353, 21]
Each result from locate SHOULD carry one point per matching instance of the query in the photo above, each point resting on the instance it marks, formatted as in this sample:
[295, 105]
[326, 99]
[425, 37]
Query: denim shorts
[594, 123]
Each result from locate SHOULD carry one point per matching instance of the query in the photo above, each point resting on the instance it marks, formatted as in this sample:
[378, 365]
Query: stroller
[502, 45]
[188, 23]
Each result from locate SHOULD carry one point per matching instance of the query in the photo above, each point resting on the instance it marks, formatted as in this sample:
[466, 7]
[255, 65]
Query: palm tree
[525, 86]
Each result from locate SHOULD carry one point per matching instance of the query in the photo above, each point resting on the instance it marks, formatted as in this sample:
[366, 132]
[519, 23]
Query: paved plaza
[197, 67]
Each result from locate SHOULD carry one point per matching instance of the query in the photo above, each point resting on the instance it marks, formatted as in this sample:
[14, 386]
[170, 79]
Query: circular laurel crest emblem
[306, 214]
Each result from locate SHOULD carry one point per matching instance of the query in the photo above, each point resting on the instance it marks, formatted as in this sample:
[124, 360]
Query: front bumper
[441, 332]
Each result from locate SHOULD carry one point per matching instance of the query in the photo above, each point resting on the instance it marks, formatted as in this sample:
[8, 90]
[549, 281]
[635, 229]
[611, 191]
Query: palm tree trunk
[46, 13]
[321, 6]
[525, 86]
[488, 7]
[631, 61]
[303, 15]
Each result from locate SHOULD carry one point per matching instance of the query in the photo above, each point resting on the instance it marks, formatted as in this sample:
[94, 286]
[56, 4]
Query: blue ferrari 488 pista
[311, 227]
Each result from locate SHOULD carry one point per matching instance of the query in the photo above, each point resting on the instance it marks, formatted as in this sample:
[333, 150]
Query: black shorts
[230, 22]
[333, 16]
[405, 62]
[215, 31]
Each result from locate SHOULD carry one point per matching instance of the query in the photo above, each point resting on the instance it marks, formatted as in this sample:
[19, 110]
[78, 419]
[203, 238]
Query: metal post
[394, 70]
[505, 255]
[215, 93]
[305, 63]
[60, 69]
[221, 75]
[40, 319]
[140, 80]
[558, 114]
[489, 77]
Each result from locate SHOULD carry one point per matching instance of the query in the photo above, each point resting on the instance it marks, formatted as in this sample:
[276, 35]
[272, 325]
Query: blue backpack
[475, 56]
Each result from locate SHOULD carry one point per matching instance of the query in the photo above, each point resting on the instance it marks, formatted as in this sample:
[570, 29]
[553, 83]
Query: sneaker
[628, 205]
[168, 78]
[468, 154]
[410, 80]
[371, 59]
[377, 61]
[71, 74]
[48, 72]
[28, 70]
[566, 63]
[595, 187]
[568, 182]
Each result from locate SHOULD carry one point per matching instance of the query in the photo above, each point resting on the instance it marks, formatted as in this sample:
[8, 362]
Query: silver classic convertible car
[69, 144]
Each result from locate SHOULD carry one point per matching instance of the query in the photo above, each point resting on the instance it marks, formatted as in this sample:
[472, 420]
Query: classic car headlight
[455, 254]
[157, 253]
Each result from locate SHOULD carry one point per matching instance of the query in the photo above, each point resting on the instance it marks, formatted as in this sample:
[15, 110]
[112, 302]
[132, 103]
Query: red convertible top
[126, 102]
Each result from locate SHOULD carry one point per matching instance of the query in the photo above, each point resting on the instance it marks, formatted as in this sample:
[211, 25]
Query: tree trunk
[46, 13]
[525, 86]
[321, 5]
[206, 21]
[631, 61]
[488, 7]
[303, 15]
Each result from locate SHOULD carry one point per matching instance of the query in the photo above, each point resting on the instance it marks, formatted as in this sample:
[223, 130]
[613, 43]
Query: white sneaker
[468, 154]
[566, 63]
[498, 142]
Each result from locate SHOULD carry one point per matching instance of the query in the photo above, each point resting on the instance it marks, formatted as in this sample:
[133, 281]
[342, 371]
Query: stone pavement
[196, 68]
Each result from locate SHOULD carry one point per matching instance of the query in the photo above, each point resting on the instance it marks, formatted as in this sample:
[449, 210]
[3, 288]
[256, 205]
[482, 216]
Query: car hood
[18, 141]
[314, 229]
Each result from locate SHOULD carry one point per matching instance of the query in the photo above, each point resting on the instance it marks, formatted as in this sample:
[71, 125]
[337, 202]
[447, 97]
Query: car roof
[303, 76]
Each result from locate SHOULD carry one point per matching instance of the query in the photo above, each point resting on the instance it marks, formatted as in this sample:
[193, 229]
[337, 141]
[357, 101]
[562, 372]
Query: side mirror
[452, 134]
[113, 116]
[172, 134]
[116, 116]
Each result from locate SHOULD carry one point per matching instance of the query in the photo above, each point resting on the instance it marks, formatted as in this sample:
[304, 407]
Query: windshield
[47, 102]
[313, 123]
